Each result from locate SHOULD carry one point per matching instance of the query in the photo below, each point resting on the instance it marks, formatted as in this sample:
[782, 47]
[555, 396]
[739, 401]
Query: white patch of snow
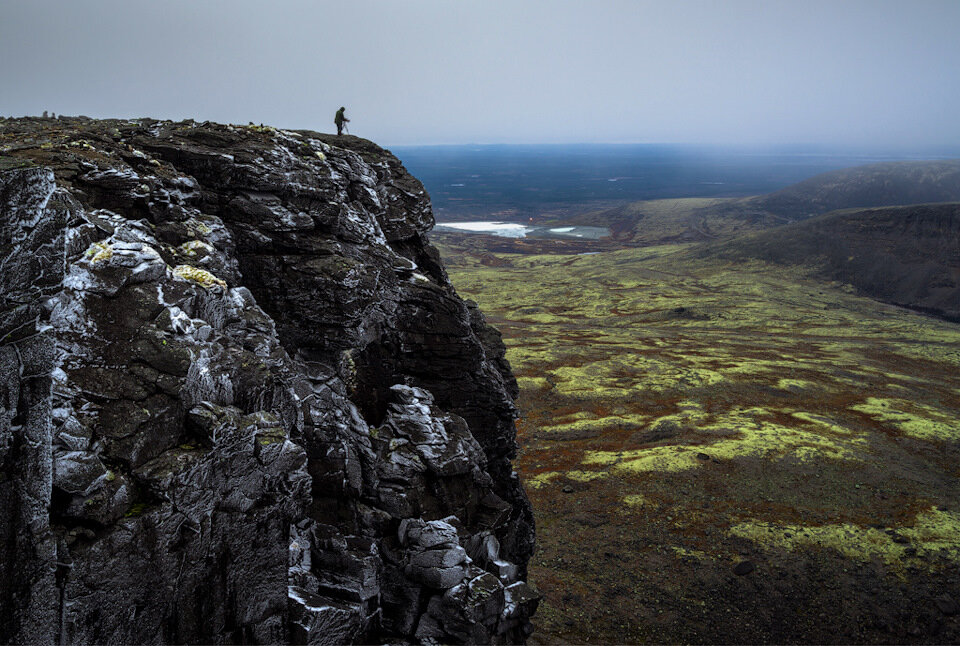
[503, 229]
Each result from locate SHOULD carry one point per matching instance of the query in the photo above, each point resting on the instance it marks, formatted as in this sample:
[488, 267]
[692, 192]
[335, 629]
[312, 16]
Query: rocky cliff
[239, 399]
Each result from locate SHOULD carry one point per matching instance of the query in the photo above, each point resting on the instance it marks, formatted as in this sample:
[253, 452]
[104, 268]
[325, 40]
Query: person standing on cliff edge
[340, 119]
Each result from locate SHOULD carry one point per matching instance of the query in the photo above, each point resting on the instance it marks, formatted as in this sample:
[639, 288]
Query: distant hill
[906, 255]
[666, 221]
[693, 220]
[885, 184]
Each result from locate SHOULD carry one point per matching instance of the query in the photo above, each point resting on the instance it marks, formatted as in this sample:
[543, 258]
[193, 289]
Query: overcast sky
[456, 71]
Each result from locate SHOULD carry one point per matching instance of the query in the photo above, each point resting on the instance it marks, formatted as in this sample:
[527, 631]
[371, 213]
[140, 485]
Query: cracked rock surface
[239, 399]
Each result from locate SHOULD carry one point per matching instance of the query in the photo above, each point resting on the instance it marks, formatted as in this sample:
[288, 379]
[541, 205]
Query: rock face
[239, 399]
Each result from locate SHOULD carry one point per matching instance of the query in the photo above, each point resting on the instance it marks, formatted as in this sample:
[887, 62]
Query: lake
[515, 230]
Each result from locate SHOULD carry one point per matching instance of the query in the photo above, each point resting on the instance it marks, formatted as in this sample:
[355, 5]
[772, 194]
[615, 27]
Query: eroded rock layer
[239, 399]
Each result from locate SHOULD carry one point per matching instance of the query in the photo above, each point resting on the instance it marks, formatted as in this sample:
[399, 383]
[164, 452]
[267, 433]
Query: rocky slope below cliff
[239, 399]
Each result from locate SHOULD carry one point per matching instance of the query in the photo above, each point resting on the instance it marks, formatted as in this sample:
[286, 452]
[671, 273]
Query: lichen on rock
[197, 275]
[241, 402]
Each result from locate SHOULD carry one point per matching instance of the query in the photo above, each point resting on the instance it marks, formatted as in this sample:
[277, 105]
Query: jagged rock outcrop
[239, 399]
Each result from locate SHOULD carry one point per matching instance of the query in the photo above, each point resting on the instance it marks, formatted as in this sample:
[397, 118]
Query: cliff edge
[240, 400]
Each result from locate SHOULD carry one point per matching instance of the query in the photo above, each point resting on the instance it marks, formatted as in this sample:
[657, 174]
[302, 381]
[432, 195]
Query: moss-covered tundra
[681, 415]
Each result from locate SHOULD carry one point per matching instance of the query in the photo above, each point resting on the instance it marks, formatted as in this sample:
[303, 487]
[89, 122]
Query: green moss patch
[911, 418]
[932, 531]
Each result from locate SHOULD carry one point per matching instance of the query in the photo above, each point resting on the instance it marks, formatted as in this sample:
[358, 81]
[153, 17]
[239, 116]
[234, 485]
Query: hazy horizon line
[953, 149]
[849, 148]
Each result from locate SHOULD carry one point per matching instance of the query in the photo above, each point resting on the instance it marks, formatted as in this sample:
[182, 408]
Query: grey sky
[455, 71]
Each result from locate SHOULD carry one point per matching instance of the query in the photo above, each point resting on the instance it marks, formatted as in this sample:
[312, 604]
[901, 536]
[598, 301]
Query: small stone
[567, 489]
[947, 605]
[439, 558]
[439, 577]
[437, 533]
[744, 567]
[78, 472]
[703, 456]
[505, 570]
[590, 520]
[491, 547]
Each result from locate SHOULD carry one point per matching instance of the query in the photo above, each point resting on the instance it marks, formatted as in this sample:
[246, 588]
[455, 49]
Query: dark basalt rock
[239, 399]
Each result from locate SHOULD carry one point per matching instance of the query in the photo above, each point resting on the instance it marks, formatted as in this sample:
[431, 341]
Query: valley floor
[723, 452]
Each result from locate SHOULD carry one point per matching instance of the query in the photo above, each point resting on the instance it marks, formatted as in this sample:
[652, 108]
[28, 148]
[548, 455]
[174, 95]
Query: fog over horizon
[858, 73]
